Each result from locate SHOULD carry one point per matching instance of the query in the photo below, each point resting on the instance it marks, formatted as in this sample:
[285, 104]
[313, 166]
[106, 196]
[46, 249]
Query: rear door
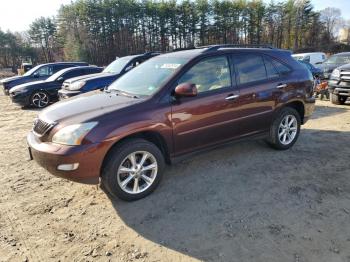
[259, 85]
[208, 118]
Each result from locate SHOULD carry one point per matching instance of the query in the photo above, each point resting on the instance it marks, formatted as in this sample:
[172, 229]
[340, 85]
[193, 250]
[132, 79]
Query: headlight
[17, 92]
[335, 73]
[77, 85]
[73, 134]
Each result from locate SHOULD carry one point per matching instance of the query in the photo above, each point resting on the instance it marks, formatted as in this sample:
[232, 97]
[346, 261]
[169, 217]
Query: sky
[16, 15]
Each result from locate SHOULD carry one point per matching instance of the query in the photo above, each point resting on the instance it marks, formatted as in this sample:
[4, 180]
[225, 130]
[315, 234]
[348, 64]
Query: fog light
[68, 167]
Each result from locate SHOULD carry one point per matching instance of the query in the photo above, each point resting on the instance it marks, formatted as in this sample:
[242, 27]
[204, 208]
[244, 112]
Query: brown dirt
[242, 202]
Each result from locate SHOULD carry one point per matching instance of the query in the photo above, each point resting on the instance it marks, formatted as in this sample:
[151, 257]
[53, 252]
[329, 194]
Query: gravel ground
[242, 202]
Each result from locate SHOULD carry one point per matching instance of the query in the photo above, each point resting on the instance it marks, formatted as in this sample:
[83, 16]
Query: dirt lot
[243, 202]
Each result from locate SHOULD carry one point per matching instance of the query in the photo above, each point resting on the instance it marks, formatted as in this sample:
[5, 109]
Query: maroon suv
[170, 106]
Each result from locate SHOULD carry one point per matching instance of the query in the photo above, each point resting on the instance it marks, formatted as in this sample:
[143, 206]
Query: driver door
[208, 118]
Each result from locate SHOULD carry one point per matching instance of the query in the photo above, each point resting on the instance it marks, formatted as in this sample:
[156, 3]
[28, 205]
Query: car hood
[344, 67]
[85, 107]
[328, 68]
[78, 78]
[100, 76]
[10, 79]
[26, 85]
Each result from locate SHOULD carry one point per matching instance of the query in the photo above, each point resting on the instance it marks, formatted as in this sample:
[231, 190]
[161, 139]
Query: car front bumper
[339, 88]
[64, 94]
[20, 99]
[5, 90]
[84, 161]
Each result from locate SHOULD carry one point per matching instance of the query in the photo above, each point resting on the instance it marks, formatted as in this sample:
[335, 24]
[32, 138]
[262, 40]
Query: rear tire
[337, 99]
[285, 129]
[133, 169]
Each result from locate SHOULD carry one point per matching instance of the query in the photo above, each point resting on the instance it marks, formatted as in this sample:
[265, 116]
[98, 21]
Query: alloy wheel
[40, 99]
[137, 172]
[288, 129]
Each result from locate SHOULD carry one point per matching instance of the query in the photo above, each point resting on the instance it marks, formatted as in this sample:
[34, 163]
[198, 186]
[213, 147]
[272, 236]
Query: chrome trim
[232, 97]
[281, 86]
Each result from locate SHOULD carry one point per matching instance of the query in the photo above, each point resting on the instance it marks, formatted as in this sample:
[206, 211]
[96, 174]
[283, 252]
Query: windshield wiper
[123, 93]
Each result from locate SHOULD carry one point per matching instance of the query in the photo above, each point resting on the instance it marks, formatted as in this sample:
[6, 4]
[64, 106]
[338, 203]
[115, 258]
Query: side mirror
[186, 90]
[60, 79]
[36, 75]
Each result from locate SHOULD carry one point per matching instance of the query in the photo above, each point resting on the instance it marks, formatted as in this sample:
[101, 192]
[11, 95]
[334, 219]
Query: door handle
[232, 97]
[281, 86]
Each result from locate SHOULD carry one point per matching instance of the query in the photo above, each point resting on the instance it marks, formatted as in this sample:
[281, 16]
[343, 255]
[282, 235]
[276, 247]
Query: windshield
[31, 71]
[338, 59]
[117, 66]
[148, 77]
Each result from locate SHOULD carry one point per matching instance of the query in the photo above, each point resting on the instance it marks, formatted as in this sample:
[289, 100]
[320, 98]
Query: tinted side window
[209, 74]
[57, 68]
[250, 68]
[282, 69]
[45, 71]
[92, 70]
[72, 74]
[270, 68]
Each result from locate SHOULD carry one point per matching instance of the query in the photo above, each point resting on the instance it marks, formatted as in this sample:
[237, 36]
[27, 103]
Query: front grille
[345, 76]
[41, 127]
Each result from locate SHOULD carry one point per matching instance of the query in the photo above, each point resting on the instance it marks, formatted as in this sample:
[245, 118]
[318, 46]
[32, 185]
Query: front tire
[337, 99]
[285, 129]
[40, 99]
[133, 169]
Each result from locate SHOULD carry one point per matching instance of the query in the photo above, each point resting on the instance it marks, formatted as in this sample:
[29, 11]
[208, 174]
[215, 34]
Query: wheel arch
[299, 107]
[151, 136]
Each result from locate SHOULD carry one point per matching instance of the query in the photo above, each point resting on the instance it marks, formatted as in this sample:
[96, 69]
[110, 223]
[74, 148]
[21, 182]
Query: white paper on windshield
[170, 66]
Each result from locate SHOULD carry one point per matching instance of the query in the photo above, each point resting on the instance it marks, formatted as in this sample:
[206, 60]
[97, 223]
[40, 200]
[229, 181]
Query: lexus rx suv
[171, 106]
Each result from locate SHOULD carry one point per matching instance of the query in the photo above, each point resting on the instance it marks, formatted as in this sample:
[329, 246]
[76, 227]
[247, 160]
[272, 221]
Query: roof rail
[152, 53]
[210, 48]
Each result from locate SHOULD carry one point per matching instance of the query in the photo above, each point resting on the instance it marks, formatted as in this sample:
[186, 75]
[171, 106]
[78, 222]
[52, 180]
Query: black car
[40, 72]
[41, 93]
[332, 63]
[339, 85]
[316, 72]
[111, 73]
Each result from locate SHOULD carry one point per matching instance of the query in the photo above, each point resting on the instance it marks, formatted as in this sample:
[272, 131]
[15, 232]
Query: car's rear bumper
[309, 108]
[64, 94]
[87, 159]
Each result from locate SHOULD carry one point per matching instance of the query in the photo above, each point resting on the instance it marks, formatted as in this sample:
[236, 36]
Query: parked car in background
[339, 85]
[332, 63]
[168, 107]
[40, 72]
[40, 93]
[313, 58]
[112, 72]
[316, 72]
